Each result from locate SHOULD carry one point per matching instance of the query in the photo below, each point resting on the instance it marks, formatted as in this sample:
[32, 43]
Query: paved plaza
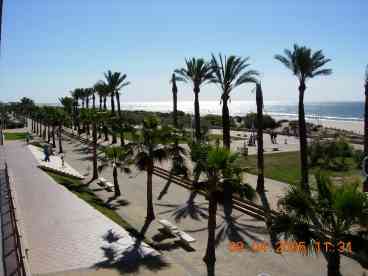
[67, 237]
[63, 233]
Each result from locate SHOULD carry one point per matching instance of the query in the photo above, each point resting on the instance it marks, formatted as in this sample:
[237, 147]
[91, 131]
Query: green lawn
[85, 193]
[15, 135]
[285, 167]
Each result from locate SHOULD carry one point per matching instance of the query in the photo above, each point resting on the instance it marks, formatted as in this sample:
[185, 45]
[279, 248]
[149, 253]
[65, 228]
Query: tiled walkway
[62, 231]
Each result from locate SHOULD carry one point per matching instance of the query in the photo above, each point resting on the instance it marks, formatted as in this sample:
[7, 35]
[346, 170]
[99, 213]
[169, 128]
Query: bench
[109, 186]
[172, 229]
[275, 149]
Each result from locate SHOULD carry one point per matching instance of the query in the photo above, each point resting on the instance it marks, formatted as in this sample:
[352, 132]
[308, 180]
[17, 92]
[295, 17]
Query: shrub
[358, 157]
[251, 118]
[330, 154]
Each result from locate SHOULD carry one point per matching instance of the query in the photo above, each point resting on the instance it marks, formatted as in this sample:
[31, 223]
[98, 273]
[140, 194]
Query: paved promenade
[63, 233]
[133, 188]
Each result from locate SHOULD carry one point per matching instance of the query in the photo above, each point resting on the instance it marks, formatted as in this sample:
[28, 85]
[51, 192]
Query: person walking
[46, 152]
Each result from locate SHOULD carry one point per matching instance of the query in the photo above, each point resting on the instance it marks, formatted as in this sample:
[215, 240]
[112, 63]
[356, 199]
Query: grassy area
[85, 193]
[15, 135]
[285, 167]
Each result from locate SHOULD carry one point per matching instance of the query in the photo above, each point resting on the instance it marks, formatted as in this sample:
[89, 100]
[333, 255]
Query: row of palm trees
[155, 143]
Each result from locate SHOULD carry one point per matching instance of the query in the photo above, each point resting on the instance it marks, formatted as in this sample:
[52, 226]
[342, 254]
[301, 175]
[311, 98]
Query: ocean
[344, 111]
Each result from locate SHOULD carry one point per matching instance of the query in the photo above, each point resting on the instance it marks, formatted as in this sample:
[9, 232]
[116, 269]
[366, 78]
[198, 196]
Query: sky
[51, 47]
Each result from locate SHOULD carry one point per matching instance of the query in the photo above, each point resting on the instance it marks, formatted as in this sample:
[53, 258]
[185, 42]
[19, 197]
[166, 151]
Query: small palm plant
[117, 158]
[324, 221]
[150, 147]
[305, 65]
[198, 72]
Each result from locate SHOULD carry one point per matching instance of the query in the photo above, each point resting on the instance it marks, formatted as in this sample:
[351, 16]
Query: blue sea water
[347, 111]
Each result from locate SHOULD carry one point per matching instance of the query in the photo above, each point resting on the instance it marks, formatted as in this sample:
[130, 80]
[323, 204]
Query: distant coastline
[341, 115]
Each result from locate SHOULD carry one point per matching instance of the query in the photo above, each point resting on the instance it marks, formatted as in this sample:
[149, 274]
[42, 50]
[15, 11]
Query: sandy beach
[355, 126]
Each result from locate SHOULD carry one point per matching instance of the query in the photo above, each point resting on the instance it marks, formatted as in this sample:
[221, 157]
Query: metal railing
[21, 268]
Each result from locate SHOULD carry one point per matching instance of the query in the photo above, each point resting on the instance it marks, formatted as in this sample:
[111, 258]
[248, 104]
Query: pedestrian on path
[62, 159]
[46, 152]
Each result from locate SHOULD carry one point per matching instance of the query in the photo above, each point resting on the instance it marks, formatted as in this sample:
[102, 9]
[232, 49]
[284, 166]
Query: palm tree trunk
[112, 104]
[116, 184]
[197, 116]
[175, 101]
[44, 133]
[53, 137]
[122, 139]
[48, 134]
[93, 101]
[210, 257]
[94, 157]
[40, 134]
[303, 140]
[100, 108]
[118, 103]
[333, 263]
[365, 184]
[87, 102]
[260, 165]
[150, 211]
[225, 122]
[104, 103]
[60, 139]
[106, 133]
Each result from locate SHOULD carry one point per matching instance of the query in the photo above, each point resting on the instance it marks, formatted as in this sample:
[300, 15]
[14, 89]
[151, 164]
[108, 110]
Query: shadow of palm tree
[190, 208]
[234, 231]
[131, 259]
[165, 189]
[115, 204]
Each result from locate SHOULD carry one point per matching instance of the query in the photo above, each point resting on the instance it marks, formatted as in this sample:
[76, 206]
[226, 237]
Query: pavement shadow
[233, 230]
[132, 259]
[192, 209]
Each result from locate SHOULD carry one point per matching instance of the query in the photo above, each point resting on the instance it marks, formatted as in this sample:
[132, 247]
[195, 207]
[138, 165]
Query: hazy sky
[50, 47]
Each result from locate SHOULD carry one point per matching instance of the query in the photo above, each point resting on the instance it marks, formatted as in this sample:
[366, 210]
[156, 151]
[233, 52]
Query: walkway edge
[18, 216]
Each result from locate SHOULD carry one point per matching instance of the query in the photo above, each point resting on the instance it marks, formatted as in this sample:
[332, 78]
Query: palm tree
[365, 187]
[115, 82]
[366, 112]
[61, 118]
[1, 19]
[151, 148]
[76, 96]
[174, 90]
[67, 103]
[229, 73]
[26, 105]
[117, 157]
[198, 72]
[103, 92]
[305, 65]
[323, 220]
[221, 168]
[93, 117]
[260, 163]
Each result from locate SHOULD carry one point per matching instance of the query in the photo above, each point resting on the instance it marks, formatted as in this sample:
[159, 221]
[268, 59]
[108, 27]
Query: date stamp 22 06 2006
[292, 247]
